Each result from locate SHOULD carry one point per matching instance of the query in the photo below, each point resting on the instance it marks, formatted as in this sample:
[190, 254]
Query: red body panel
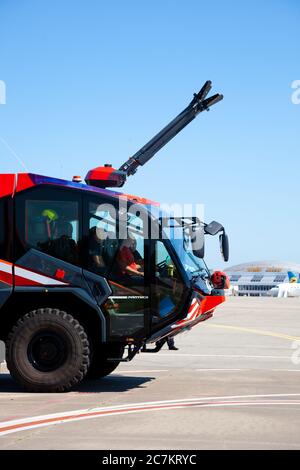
[24, 182]
[6, 278]
[201, 308]
[7, 184]
[19, 276]
[210, 302]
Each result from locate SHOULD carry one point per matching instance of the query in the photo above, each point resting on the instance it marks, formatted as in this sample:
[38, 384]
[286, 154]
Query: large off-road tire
[48, 351]
[100, 366]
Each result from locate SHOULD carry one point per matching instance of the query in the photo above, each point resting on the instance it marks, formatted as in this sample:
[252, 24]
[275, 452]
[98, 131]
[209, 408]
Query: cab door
[168, 292]
[121, 256]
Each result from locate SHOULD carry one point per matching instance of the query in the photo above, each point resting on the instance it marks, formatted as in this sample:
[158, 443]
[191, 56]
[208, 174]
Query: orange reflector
[77, 179]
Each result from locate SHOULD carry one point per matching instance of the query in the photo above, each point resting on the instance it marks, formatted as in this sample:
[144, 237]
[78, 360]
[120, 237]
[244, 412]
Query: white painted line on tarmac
[217, 370]
[92, 414]
[247, 370]
[139, 371]
[239, 356]
[12, 426]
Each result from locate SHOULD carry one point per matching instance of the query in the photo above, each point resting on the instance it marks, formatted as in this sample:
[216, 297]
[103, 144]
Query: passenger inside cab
[130, 265]
[63, 246]
[53, 235]
[97, 238]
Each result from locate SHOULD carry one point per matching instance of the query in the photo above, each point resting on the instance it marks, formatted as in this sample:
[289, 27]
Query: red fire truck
[84, 285]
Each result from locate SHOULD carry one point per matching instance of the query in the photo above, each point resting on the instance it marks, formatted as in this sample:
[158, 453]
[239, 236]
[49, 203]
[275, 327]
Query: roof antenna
[17, 157]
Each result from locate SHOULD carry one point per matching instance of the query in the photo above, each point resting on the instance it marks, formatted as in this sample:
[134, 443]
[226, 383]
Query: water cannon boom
[107, 176]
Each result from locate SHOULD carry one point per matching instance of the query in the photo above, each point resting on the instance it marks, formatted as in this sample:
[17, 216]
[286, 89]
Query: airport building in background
[257, 278]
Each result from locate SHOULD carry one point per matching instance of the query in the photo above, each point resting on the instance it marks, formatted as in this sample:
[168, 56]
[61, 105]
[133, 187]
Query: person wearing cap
[59, 233]
[50, 216]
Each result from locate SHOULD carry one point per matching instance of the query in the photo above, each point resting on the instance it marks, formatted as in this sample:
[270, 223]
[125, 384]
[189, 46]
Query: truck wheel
[48, 351]
[100, 366]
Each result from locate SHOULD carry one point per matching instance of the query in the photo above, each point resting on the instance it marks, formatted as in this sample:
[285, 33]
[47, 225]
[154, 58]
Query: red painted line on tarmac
[35, 422]
[91, 414]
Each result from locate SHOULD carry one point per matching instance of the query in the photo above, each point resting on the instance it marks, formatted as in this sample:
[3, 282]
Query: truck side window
[49, 225]
[53, 227]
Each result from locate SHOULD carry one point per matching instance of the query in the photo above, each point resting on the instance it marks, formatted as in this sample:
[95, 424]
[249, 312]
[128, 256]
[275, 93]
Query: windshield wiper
[201, 274]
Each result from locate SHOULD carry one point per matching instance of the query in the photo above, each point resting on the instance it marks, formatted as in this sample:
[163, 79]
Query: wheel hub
[47, 351]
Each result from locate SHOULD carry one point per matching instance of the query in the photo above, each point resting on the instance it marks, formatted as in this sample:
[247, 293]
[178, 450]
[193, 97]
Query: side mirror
[224, 246]
[198, 243]
[213, 228]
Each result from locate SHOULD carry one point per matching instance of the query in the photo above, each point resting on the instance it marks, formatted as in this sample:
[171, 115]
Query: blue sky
[90, 82]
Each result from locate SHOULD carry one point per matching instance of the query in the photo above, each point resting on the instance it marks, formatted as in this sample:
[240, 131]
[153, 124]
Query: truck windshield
[192, 265]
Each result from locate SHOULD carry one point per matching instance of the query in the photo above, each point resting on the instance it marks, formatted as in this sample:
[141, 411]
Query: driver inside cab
[130, 263]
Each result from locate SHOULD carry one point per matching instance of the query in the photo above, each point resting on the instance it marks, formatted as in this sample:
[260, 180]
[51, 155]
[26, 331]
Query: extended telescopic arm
[198, 104]
[107, 176]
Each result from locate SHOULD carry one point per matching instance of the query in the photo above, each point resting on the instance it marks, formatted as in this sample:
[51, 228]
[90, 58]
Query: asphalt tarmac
[234, 383]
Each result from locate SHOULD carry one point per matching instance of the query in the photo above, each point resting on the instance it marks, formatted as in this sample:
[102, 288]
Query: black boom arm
[107, 176]
[198, 104]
